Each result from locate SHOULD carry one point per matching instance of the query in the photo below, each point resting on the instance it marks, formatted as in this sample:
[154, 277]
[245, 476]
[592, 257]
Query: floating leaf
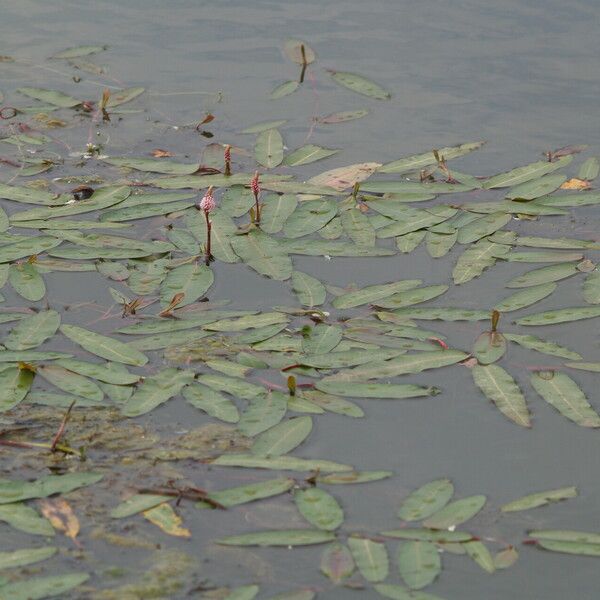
[375, 390]
[526, 173]
[285, 89]
[371, 558]
[337, 563]
[360, 85]
[293, 50]
[439, 244]
[536, 188]
[123, 96]
[526, 297]
[506, 558]
[307, 154]
[482, 227]
[249, 493]
[591, 288]
[373, 293]
[260, 127]
[36, 588]
[28, 247]
[309, 217]
[561, 392]
[585, 366]
[543, 275]
[322, 339]
[409, 241]
[455, 513]
[489, 347]
[419, 563]
[283, 463]
[32, 331]
[244, 592]
[353, 477]
[268, 149]
[543, 256]
[15, 384]
[29, 195]
[27, 556]
[310, 291]
[165, 517]
[481, 555]
[426, 500]
[60, 514]
[343, 116]
[264, 412]
[211, 402]
[155, 390]
[17, 490]
[77, 51]
[104, 346]
[100, 199]
[69, 382]
[275, 211]
[397, 592]
[319, 508]
[24, 518]
[342, 178]
[429, 535]
[282, 438]
[50, 96]
[108, 373]
[503, 391]
[562, 315]
[290, 537]
[540, 499]
[358, 227]
[400, 366]
[589, 169]
[192, 280]
[535, 343]
[415, 296]
[263, 254]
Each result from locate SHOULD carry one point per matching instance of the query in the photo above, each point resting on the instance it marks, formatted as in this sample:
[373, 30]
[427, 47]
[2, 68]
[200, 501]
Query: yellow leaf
[345, 177]
[61, 516]
[160, 153]
[167, 519]
[576, 184]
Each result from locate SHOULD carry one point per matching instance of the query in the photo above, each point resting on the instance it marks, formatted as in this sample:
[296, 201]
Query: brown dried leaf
[576, 184]
[164, 517]
[160, 153]
[60, 514]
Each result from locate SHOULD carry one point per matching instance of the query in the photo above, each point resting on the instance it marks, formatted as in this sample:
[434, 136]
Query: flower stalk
[227, 156]
[207, 205]
[255, 187]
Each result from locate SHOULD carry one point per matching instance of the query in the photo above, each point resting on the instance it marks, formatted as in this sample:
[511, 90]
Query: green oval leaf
[426, 500]
[371, 558]
[319, 508]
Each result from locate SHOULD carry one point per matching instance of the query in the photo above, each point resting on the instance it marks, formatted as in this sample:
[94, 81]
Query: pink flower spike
[254, 185]
[208, 204]
[227, 153]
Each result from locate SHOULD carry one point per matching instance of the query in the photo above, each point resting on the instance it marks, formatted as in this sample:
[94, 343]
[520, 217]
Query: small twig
[62, 427]
[195, 494]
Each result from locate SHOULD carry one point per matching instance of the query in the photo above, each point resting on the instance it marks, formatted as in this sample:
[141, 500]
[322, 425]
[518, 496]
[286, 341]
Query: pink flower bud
[208, 204]
[227, 153]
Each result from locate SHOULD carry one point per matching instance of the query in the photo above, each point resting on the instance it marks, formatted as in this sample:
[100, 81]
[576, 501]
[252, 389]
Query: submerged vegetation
[155, 232]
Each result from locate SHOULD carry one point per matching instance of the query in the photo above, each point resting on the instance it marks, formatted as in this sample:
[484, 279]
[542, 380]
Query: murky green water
[524, 77]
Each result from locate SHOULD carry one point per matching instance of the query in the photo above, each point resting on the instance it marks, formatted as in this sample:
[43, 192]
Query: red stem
[208, 254]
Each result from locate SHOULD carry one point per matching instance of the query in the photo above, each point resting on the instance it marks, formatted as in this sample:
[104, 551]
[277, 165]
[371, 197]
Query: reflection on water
[523, 76]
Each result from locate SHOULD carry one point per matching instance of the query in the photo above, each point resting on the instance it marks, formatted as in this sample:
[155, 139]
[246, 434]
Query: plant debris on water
[158, 232]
